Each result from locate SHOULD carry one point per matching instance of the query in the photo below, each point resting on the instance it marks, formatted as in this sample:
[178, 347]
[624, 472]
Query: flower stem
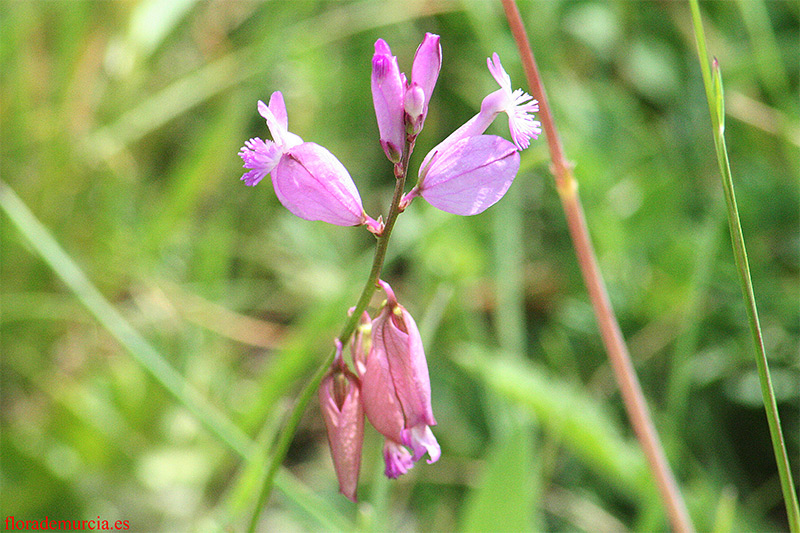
[282, 446]
[631, 391]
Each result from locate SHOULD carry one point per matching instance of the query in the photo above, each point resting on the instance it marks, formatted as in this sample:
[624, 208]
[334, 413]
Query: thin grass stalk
[631, 390]
[716, 107]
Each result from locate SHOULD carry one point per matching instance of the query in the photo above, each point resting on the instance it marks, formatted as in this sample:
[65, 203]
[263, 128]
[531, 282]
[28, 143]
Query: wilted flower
[396, 388]
[340, 402]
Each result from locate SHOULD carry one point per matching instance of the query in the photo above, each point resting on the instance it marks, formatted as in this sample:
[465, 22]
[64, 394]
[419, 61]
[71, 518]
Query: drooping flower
[308, 180]
[343, 412]
[396, 388]
[469, 171]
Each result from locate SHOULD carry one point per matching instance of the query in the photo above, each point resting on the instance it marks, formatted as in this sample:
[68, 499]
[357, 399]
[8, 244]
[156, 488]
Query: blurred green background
[120, 127]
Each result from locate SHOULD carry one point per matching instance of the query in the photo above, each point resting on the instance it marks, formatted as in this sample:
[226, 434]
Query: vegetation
[159, 317]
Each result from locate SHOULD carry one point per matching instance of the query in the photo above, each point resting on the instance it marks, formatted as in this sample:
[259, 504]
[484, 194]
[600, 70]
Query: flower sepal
[469, 176]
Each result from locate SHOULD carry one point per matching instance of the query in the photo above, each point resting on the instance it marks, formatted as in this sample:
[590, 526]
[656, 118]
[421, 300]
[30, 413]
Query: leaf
[504, 500]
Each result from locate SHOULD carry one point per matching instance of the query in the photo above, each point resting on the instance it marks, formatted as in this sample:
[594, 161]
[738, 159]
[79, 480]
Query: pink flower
[340, 402]
[468, 171]
[401, 107]
[387, 96]
[396, 388]
[424, 73]
[470, 176]
[308, 180]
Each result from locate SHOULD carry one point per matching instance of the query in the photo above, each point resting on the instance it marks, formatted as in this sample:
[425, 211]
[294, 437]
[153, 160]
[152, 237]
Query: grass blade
[70, 273]
[716, 106]
[45, 245]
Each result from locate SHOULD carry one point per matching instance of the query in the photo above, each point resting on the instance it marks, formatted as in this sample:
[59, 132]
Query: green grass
[158, 316]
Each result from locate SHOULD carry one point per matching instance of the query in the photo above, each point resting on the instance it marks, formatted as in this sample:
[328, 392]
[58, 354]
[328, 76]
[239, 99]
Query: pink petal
[388, 89]
[311, 183]
[381, 405]
[471, 175]
[398, 333]
[398, 460]
[421, 440]
[278, 122]
[260, 157]
[278, 108]
[427, 63]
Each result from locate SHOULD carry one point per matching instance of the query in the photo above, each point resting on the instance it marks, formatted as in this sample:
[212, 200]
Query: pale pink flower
[518, 105]
[468, 172]
[308, 180]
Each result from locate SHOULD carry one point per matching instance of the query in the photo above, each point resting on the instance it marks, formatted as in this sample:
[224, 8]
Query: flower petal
[471, 175]
[421, 440]
[381, 405]
[278, 122]
[398, 459]
[427, 64]
[311, 183]
[397, 332]
[259, 156]
[387, 96]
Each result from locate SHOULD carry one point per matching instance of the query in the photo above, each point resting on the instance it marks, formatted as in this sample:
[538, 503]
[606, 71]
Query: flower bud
[343, 411]
[414, 104]
[425, 72]
[387, 97]
[469, 176]
[311, 183]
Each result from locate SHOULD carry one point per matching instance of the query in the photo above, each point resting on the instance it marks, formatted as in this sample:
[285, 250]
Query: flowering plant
[465, 174]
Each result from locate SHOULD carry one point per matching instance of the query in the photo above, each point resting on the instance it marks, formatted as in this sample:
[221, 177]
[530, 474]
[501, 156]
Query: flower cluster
[465, 174]
[393, 390]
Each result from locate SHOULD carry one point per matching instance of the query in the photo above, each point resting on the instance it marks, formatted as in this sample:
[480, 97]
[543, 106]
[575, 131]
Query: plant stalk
[287, 434]
[630, 389]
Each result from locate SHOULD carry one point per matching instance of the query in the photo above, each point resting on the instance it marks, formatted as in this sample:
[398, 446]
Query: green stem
[401, 171]
[628, 382]
[716, 107]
